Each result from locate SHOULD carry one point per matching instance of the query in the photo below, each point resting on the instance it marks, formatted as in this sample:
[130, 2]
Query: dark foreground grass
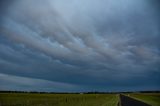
[150, 98]
[22, 99]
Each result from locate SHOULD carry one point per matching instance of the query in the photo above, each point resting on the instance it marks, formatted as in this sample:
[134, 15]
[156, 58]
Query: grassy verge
[21, 99]
[150, 98]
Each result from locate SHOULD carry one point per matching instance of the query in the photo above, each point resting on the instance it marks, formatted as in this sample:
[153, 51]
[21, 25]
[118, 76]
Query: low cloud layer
[103, 45]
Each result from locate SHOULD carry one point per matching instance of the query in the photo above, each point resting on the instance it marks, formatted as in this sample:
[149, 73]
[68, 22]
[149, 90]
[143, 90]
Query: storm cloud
[84, 45]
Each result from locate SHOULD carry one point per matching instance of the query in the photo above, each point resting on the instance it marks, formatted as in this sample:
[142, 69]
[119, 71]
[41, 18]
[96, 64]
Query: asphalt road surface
[128, 101]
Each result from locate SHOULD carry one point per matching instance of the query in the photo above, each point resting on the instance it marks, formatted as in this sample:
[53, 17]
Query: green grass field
[22, 99]
[28, 99]
[150, 98]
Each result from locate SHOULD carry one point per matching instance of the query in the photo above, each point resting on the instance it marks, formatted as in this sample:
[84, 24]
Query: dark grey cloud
[89, 44]
[23, 83]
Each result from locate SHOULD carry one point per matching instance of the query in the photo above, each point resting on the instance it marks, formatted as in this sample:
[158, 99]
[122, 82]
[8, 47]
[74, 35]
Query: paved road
[127, 101]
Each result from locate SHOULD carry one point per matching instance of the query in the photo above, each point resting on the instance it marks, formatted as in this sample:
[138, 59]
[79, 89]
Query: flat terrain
[24, 99]
[34, 99]
[129, 101]
[149, 98]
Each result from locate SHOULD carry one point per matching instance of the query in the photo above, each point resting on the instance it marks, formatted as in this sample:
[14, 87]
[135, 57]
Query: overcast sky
[79, 45]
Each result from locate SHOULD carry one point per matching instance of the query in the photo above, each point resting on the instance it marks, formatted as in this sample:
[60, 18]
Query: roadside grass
[150, 98]
[22, 99]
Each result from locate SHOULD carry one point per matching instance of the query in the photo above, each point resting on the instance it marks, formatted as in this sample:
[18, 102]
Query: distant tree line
[95, 92]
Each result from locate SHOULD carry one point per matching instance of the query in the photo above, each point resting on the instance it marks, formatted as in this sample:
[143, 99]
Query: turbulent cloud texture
[79, 45]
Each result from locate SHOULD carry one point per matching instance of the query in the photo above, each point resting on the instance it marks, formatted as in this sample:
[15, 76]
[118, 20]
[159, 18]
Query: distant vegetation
[93, 92]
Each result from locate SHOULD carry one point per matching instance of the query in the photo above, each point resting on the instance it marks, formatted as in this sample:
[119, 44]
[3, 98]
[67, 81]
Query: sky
[79, 45]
